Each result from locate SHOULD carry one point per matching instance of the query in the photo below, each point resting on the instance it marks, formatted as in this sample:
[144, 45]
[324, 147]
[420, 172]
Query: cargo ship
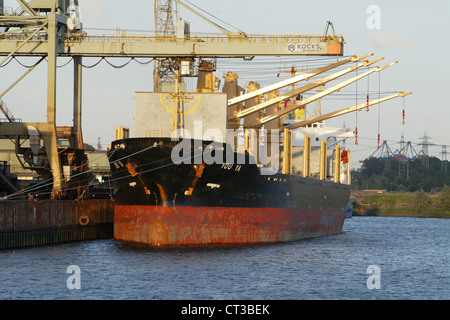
[161, 203]
[232, 200]
[185, 179]
[159, 200]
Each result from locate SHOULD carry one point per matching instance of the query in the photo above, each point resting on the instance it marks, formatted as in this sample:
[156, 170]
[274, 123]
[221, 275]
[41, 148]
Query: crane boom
[301, 90]
[341, 112]
[292, 81]
[315, 97]
[214, 46]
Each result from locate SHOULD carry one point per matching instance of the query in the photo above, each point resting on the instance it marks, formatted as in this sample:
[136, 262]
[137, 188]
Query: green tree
[422, 202]
[443, 199]
[391, 175]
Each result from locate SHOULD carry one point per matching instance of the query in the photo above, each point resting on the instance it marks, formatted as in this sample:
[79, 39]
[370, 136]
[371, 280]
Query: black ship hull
[160, 202]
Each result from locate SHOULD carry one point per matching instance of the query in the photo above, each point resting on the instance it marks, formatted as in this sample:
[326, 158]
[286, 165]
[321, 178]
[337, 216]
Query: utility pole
[425, 144]
[402, 156]
[444, 161]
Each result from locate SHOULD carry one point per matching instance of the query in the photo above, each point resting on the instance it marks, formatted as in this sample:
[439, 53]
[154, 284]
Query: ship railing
[215, 38]
[5, 111]
[7, 120]
[8, 11]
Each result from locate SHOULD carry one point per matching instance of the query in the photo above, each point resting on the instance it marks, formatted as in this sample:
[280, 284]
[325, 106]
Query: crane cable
[24, 192]
[115, 66]
[404, 112]
[356, 94]
[379, 108]
[368, 86]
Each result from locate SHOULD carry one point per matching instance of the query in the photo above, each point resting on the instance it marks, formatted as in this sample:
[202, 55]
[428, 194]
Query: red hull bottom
[179, 226]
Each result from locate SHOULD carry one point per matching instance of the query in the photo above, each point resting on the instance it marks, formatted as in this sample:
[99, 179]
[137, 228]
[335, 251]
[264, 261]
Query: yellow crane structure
[51, 29]
[164, 68]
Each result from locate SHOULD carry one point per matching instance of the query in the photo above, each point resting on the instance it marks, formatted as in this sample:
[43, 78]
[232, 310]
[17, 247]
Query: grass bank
[395, 205]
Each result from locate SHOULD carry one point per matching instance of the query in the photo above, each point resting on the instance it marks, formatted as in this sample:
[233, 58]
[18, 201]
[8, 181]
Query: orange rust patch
[131, 169]
[199, 171]
[162, 226]
[159, 235]
[162, 192]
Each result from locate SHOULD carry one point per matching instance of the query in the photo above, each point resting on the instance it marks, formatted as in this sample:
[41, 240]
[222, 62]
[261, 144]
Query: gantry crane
[164, 68]
[51, 29]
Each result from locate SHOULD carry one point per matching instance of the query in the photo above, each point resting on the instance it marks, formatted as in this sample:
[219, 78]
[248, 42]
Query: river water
[375, 258]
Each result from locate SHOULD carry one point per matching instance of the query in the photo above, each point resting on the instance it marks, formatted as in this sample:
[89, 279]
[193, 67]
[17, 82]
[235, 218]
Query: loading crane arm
[304, 89]
[293, 80]
[341, 112]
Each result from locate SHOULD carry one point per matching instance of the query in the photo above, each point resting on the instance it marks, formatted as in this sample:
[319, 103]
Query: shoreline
[440, 215]
[385, 204]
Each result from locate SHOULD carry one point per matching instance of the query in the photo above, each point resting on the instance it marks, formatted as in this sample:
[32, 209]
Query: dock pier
[34, 223]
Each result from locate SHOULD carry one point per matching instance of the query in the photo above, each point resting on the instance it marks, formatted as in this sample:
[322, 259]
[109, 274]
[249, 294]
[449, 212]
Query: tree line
[429, 174]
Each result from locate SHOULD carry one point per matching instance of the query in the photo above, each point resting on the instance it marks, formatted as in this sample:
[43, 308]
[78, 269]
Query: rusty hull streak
[161, 226]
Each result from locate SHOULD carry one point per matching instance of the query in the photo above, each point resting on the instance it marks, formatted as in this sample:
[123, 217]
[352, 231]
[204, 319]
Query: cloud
[381, 40]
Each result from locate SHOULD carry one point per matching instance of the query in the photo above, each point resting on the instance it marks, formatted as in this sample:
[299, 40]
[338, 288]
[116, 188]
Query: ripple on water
[412, 255]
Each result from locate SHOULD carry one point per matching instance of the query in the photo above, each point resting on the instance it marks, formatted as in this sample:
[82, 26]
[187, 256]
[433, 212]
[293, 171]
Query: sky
[411, 32]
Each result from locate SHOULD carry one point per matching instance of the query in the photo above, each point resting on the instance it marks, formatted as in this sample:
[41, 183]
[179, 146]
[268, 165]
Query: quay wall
[32, 223]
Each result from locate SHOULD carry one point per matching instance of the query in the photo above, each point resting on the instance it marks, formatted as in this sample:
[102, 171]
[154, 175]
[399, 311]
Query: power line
[211, 15]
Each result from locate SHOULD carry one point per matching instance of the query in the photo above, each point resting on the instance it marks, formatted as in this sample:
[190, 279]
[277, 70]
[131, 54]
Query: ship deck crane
[306, 88]
[291, 81]
[313, 98]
